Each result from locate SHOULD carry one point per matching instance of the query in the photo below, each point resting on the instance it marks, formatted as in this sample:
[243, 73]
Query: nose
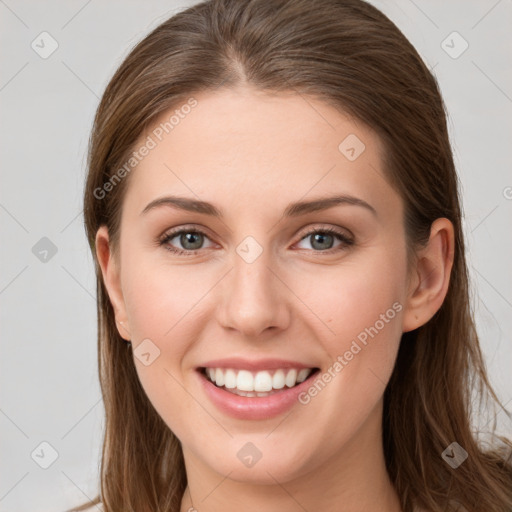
[254, 298]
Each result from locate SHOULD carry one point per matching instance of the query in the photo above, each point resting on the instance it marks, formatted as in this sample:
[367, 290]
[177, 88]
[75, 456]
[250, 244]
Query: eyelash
[164, 240]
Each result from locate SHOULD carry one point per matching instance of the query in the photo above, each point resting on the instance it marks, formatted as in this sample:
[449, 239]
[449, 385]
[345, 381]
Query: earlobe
[111, 278]
[432, 272]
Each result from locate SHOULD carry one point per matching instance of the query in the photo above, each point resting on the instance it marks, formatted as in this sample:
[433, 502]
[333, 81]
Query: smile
[255, 395]
[256, 384]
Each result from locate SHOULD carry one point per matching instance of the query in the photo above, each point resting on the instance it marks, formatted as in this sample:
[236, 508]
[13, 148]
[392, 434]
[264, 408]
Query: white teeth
[303, 375]
[244, 380]
[247, 383]
[219, 377]
[278, 380]
[262, 382]
[291, 378]
[230, 379]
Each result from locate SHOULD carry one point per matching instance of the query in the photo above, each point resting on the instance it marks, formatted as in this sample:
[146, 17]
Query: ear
[430, 277]
[111, 278]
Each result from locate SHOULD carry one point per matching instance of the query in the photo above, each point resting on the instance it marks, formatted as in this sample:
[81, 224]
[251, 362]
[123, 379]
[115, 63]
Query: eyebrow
[292, 210]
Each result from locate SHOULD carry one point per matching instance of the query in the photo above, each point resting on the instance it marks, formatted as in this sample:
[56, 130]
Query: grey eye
[321, 240]
[191, 240]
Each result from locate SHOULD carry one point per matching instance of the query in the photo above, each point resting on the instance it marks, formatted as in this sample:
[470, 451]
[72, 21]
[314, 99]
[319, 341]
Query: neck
[353, 479]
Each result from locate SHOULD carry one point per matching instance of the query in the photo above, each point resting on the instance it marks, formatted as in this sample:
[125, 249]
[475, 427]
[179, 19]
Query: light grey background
[49, 388]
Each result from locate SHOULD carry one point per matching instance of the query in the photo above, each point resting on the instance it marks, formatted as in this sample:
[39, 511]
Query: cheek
[162, 299]
[352, 297]
[160, 302]
[361, 304]
[362, 308]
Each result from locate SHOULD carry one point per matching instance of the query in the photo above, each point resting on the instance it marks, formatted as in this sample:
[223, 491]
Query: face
[263, 289]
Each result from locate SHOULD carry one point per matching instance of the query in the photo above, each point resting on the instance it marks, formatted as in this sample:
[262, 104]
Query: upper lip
[254, 365]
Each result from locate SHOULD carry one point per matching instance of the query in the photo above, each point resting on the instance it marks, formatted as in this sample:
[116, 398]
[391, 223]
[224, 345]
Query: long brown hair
[351, 56]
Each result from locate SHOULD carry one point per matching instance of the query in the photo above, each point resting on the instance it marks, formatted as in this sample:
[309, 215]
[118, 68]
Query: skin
[251, 154]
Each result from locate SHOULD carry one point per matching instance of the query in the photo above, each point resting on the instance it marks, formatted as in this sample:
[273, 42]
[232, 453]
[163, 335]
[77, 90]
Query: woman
[243, 364]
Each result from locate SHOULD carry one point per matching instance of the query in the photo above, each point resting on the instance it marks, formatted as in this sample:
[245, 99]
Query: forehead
[263, 149]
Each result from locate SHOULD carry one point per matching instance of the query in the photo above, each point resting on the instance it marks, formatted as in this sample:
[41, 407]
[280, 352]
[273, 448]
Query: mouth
[257, 384]
[250, 389]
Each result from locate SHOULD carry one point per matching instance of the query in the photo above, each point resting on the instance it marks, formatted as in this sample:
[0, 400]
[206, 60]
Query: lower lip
[254, 408]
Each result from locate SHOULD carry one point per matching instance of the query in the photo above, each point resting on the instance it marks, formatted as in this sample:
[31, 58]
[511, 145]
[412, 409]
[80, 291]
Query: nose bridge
[253, 299]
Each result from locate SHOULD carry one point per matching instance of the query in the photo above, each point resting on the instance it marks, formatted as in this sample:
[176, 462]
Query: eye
[190, 239]
[323, 238]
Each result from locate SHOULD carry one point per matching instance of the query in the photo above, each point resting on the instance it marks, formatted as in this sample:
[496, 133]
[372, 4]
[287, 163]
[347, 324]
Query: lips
[249, 403]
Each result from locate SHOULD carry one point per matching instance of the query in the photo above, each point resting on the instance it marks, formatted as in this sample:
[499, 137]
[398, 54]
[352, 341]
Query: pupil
[322, 237]
[189, 237]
